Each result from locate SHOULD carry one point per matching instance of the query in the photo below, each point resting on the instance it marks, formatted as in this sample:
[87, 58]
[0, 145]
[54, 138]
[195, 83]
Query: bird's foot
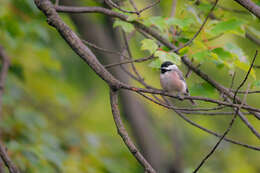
[180, 97]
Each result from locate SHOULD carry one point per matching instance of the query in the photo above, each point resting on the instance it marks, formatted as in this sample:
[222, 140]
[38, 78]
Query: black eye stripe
[164, 70]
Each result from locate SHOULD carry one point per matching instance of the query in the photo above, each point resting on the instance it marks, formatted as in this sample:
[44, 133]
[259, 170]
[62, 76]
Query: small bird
[172, 80]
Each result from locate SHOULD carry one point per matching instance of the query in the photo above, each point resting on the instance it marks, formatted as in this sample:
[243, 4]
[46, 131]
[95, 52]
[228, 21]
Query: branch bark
[250, 6]
[123, 133]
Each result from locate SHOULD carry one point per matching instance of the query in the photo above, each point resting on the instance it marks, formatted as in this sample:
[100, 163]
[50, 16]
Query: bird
[172, 80]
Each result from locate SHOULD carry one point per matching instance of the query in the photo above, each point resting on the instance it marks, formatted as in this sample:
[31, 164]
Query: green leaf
[182, 23]
[173, 57]
[127, 27]
[256, 83]
[203, 88]
[232, 25]
[168, 56]
[205, 7]
[236, 51]
[158, 22]
[202, 55]
[155, 64]
[150, 45]
[161, 54]
[223, 54]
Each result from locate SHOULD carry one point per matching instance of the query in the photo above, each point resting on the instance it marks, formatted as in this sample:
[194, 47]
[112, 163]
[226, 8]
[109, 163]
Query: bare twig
[127, 47]
[210, 113]
[243, 82]
[121, 16]
[215, 84]
[134, 6]
[130, 61]
[150, 6]
[200, 29]
[111, 3]
[8, 162]
[163, 93]
[101, 49]
[249, 92]
[123, 133]
[223, 136]
[197, 125]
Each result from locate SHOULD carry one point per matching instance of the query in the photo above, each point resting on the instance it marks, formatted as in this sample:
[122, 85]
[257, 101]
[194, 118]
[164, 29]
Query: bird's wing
[179, 73]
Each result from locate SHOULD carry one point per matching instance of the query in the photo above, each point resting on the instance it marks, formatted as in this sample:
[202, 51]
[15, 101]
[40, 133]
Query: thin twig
[130, 61]
[223, 136]
[249, 92]
[111, 3]
[102, 49]
[117, 53]
[205, 99]
[248, 72]
[215, 84]
[197, 125]
[134, 6]
[210, 113]
[149, 6]
[127, 47]
[200, 29]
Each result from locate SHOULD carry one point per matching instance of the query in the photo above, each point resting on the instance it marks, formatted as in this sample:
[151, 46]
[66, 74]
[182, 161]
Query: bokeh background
[56, 113]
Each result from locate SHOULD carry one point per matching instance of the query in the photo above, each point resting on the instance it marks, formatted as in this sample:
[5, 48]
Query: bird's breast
[171, 82]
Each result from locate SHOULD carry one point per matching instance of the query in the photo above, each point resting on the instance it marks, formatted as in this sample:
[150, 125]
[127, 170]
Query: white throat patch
[172, 67]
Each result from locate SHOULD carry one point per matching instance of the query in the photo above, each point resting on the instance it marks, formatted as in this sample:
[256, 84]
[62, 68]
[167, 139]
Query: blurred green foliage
[52, 118]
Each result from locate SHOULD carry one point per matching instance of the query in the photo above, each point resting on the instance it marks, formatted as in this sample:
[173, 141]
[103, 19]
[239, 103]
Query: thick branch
[250, 6]
[74, 41]
[123, 133]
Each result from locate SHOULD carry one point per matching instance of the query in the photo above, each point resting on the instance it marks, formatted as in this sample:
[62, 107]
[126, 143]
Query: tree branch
[75, 42]
[123, 17]
[243, 82]
[224, 134]
[197, 125]
[250, 6]
[124, 135]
